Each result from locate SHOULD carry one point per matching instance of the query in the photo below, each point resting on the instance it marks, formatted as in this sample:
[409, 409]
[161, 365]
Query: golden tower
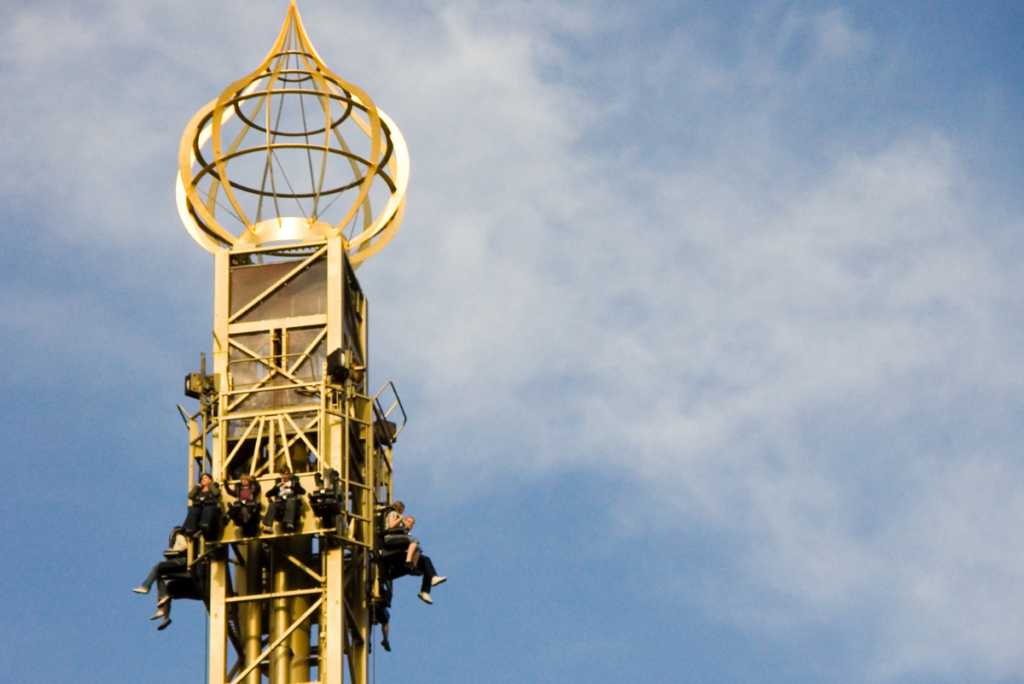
[291, 178]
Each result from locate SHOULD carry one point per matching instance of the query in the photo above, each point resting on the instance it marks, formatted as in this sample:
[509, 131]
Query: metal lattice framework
[295, 154]
[284, 603]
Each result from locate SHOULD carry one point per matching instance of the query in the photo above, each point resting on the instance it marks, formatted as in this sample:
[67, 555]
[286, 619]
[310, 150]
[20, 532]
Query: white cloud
[702, 323]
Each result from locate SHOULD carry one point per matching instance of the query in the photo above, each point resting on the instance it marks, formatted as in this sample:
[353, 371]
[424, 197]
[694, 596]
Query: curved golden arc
[400, 176]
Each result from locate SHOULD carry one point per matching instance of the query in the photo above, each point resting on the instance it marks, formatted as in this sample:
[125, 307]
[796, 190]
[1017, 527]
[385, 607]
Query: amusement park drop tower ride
[279, 178]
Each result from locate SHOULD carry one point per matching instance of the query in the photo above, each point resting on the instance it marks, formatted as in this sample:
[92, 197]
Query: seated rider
[245, 511]
[205, 508]
[394, 524]
[418, 565]
[174, 567]
[394, 516]
[284, 502]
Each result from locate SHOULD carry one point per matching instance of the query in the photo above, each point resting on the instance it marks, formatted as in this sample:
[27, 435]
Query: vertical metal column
[300, 646]
[218, 560]
[251, 612]
[280, 619]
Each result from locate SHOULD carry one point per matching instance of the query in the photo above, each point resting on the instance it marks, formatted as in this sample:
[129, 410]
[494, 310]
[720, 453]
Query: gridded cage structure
[295, 153]
[290, 601]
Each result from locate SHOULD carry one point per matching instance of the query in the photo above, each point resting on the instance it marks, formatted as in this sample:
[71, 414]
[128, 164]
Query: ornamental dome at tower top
[292, 154]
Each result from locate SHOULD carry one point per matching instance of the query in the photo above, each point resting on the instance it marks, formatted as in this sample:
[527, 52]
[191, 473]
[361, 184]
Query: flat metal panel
[303, 295]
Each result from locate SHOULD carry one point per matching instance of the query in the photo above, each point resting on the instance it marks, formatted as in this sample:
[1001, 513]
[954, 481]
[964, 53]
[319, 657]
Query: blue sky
[708, 317]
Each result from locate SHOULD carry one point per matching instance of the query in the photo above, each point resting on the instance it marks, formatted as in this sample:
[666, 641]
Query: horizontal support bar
[275, 595]
[304, 408]
[310, 321]
[346, 540]
[342, 415]
[256, 249]
[255, 388]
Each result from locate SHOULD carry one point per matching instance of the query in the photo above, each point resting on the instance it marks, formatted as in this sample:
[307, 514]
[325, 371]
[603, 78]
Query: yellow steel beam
[272, 595]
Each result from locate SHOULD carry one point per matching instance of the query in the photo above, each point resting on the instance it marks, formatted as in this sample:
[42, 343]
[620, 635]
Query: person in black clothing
[205, 508]
[285, 502]
[174, 567]
[396, 566]
[380, 613]
[245, 511]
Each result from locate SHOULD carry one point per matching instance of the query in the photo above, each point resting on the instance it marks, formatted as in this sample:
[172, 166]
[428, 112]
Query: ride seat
[396, 540]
